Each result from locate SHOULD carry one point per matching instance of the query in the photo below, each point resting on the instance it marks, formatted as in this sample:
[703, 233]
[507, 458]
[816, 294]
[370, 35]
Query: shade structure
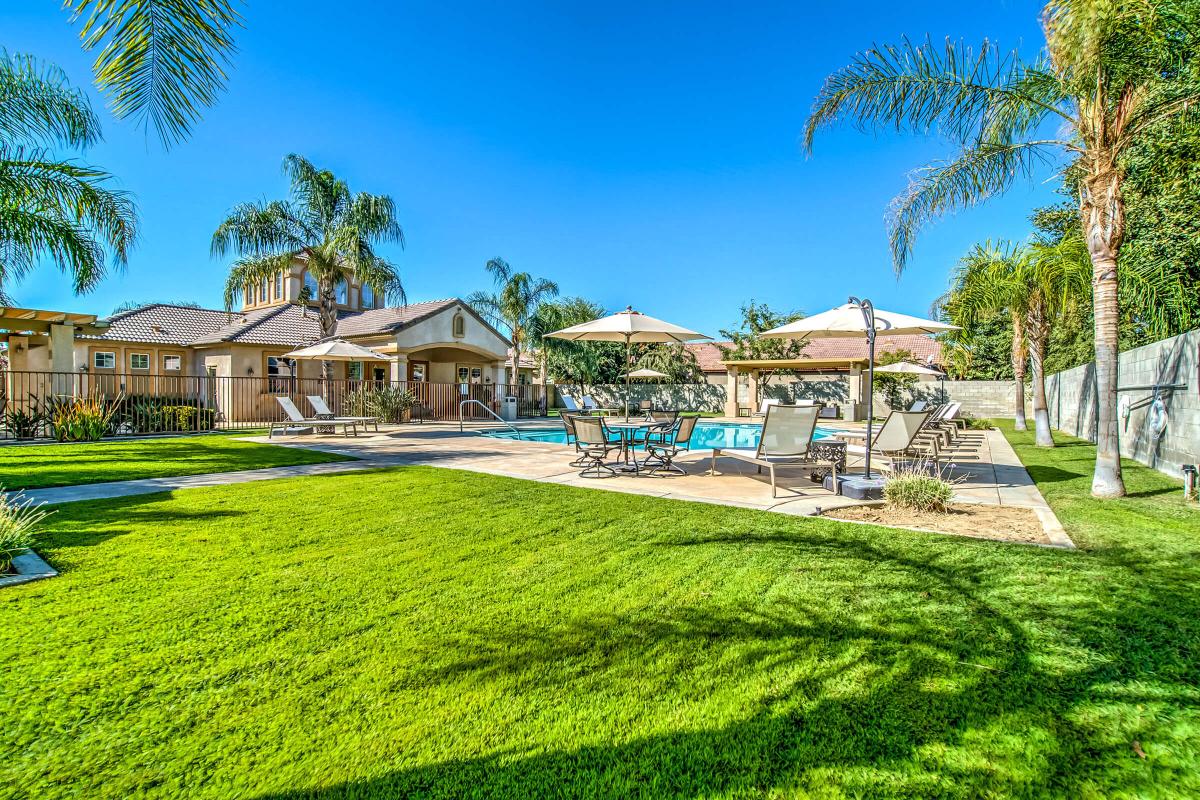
[335, 350]
[647, 373]
[631, 327]
[858, 318]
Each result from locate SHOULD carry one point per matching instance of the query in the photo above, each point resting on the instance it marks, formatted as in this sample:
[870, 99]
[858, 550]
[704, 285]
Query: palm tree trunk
[1104, 224]
[327, 315]
[1038, 335]
[516, 364]
[1020, 355]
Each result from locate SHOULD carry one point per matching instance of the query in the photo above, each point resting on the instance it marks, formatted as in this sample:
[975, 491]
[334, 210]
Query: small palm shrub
[82, 419]
[24, 423]
[18, 518]
[389, 403]
[910, 487]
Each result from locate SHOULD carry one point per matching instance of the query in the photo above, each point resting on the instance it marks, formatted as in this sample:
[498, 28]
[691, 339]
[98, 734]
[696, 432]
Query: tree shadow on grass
[945, 697]
[91, 522]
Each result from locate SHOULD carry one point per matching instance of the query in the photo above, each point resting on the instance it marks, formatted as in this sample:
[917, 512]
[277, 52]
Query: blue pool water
[706, 436]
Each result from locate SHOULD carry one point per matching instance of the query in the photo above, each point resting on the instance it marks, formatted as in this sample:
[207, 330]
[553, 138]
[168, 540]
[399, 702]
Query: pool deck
[983, 465]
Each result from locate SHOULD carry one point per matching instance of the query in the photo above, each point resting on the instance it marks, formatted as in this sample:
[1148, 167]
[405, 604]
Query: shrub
[389, 403]
[912, 488]
[24, 423]
[82, 419]
[165, 415]
[18, 517]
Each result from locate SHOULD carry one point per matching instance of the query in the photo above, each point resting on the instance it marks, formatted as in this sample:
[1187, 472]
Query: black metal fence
[148, 404]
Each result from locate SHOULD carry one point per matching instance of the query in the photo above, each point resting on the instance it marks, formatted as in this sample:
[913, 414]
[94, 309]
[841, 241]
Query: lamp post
[868, 312]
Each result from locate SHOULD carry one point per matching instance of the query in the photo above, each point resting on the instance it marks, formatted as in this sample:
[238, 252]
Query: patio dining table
[627, 429]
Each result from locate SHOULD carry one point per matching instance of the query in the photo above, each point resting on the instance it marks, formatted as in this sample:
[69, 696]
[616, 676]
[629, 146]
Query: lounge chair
[901, 437]
[676, 440]
[765, 406]
[590, 404]
[296, 419]
[592, 440]
[322, 409]
[919, 405]
[570, 405]
[786, 441]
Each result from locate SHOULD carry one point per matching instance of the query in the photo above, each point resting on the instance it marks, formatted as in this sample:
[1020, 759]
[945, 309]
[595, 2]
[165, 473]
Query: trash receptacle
[508, 408]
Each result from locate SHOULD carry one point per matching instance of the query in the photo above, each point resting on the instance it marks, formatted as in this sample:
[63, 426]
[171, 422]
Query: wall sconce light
[20, 348]
[249, 370]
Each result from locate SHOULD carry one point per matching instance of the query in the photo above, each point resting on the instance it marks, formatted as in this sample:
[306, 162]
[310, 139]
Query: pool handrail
[499, 418]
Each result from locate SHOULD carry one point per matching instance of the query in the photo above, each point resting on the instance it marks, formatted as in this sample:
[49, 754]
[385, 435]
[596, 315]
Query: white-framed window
[139, 361]
[263, 288]
[368, 296]
[278, 285]
[460, 326]
[341, 293]
[103, 359]
[279, 374]
[354, 370]
[172, 363]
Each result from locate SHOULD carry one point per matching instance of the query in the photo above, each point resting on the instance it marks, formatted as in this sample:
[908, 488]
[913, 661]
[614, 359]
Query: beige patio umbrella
[631, 327]
[335, 350]
[647, 373]
[922, 373]
[854, 319]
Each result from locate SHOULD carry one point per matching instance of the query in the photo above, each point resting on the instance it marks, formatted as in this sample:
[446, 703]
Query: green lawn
[43, 465]
[422, 632]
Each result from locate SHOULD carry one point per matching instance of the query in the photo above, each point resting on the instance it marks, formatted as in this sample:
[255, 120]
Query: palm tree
[161, 61]
[1104, 80]
[1033, 285]
[562, 359]
[51, 208]
[515, 304]
[333, 231]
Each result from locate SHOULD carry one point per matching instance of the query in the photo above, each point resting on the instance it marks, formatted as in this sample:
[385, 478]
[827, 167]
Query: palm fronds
[161, 62]
[39, 106]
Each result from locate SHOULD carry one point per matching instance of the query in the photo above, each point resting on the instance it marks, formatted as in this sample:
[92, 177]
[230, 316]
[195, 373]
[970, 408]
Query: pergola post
[731, 387]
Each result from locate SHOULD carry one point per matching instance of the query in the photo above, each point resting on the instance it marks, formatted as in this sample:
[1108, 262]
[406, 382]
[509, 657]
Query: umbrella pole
[628, 367]
[868, 312]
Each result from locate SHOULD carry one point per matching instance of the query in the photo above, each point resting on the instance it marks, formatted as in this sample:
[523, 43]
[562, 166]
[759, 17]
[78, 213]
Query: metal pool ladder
[497, 417]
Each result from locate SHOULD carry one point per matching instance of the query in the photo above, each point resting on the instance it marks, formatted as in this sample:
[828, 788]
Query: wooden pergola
[853, 367]
[34, 320]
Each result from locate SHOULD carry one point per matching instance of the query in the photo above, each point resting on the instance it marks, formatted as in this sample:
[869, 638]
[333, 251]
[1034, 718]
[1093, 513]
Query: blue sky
[643, 153]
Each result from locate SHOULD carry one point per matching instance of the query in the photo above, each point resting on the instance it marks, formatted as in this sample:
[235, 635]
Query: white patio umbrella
[631, 327]
[335, 350]
[647, 373]
[858, 318]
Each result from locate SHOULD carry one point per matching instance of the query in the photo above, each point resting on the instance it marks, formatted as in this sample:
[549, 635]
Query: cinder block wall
[978, 398]
[1071, 397]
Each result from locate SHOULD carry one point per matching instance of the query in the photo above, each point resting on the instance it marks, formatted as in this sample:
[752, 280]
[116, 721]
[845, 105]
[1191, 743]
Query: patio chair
[664, 420]
[568, 422]
[678, 439]
[786, 441]
[296, 419]
[592, 442]
[646, 408]
[569, 403]
[590, 404]
[765, 406]
[919, 405]
[900, 438]
[319, 405]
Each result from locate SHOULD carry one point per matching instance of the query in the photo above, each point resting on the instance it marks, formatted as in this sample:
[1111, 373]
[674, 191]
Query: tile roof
[709, 356]
[283, 325]
[162, 323]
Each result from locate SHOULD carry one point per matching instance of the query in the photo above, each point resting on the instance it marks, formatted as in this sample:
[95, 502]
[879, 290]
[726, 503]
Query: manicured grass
[422, 632]
[41, 466]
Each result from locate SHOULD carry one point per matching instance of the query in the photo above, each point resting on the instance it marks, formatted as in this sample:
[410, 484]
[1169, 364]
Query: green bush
[389, 403]
[913, 489]
[166, 415]
[24, 423]
[18, 517]
[82, 419]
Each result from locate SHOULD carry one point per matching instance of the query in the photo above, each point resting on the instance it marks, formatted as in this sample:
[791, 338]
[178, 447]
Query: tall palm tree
[514, 305]
[1103, 80]
[50, 208]
[323, 223]
[161, 61]
[1034, 285]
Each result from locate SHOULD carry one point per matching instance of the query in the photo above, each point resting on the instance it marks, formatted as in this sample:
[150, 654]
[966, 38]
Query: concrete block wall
[978, 398]
[1071, 397]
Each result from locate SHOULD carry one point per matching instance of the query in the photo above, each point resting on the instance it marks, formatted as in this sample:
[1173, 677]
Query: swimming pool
[706, 436]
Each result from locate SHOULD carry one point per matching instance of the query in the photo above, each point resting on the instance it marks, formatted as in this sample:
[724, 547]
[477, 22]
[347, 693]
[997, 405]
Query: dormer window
[278, 285]
[368, 296]
[341, 292]
[310, 283]
[459, 327]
